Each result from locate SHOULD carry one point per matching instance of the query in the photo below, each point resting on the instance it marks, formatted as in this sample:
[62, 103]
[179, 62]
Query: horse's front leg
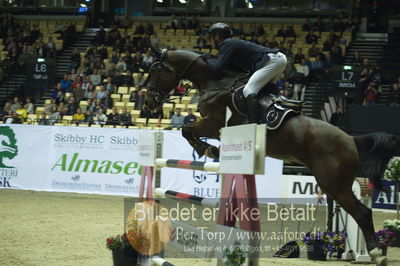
[206, 127]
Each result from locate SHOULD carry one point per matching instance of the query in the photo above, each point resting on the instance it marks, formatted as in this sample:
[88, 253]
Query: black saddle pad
[275, 110]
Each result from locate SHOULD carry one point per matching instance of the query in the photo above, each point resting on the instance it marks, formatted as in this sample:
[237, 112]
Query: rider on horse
[264, 64]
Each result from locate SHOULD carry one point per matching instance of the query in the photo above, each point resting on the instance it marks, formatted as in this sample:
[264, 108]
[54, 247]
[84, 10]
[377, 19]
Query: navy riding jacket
[241, 55]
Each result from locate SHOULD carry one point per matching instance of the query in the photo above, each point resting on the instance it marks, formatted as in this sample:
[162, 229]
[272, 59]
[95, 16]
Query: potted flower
[392, 173]
[321, 244]
[122, 251]
[394, 226]
[234, 256]
[385, 238]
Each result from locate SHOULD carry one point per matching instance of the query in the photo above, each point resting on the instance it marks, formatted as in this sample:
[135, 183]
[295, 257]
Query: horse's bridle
[161, 96]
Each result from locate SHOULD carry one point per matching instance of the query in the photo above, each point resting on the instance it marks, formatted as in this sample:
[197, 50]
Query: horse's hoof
[381, 261]
[374, 253]
[212, 152]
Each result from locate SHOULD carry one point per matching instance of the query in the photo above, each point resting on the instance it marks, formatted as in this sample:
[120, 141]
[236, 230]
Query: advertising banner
[104, 161]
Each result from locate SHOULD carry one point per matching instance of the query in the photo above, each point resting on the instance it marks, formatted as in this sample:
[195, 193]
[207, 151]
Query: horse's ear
[157, 53]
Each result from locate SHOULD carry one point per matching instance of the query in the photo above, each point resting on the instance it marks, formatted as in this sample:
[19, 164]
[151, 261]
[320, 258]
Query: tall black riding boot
[253, 109]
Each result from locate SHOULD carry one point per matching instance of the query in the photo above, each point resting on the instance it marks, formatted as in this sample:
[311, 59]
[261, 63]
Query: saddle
[276, 109]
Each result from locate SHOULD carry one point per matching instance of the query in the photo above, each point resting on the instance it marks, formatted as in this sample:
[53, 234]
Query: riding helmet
[222, 29]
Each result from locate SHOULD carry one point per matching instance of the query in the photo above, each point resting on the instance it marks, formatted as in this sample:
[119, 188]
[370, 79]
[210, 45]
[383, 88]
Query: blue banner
[382, 200]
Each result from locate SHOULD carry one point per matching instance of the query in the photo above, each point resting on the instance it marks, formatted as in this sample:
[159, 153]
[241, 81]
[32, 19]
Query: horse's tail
[375, 151]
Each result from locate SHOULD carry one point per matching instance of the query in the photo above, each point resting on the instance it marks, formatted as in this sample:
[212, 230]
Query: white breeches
[271, 71]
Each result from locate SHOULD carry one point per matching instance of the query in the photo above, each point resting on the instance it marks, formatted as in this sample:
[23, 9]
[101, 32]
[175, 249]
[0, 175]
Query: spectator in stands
[301, 80]
[202, 43]
[50, 48]
[62, 109]
[101, 93]
[66, 84]
[149, 28]
[97, 106]
[71, 106]
[101, 118]
[370, 95]
[190, 118]
[328, 62]
[78, 117]
[30, 109]
[337, 117]
[15, 104]
[311, 38]
[357, 60]
[176, 120]
[281, 32]
[290, 32]
[336, 55]
[317, 68]
[49, 106]
[43, 120]
[290, 69]
[113, 117]
[21, 113]
[148, 59]
[365, 63]
[299, 56]
[23, 59]
[313, 50]
[95, 78]
[394, 96]
[109, 86]
[121, 65]
[90, 93]
[139, 100]
[172, 24]
[79, 93]
[128, 79]
[107, 101]
[318, 25]
[125, 118]
[6, 109]
[89, 117]
[307, 26]
[287, 94]
[77, 80]
[54, 116]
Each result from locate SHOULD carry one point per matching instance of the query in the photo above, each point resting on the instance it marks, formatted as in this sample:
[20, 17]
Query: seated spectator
[78, 117]
[337, 117]
[30, 109]
[100, 94]
[317, 68]
[128, 79]
[286, 94]
[78, 93]
[90, 105]
[43, 120]
[313, 50]
[90, 93]
[21, 113]
[140, 100]
[307, 26]
[365, 63]
[71, 106]
[54, 116]
[311, 38]
[190, 118]
[6, 109]
[336, 55]
[290, 32]
[113, 117]
[121, 65]
[75, 59]
[14, 106]
[299, 56]
[66, 84]
[394, 96]
[176, 120]
[49, 106]
[101, 118]
[370, 95]
[89, 117]
[95, 78]
[107, 101]
[281, 32]
[125, 118]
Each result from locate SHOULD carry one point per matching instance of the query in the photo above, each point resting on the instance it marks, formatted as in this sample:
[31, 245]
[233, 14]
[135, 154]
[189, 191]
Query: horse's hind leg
[335, 177]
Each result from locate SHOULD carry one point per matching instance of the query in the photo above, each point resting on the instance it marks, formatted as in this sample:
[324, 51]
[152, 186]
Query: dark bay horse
[334, 157]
